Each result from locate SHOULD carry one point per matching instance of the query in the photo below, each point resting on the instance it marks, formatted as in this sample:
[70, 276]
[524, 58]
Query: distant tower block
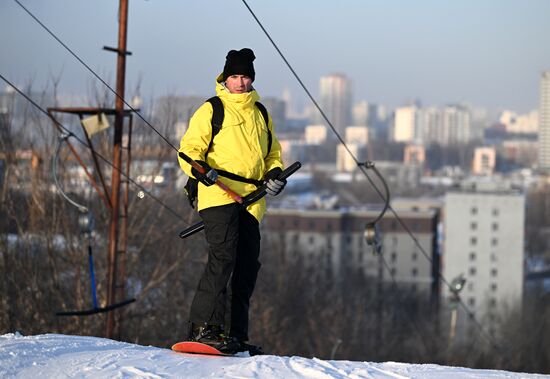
[484, 161]
[336, 100]
[415, 154]
[544, 123]
[404, 129]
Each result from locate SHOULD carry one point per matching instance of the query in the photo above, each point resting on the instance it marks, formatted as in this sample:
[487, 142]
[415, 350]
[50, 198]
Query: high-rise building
[446, 126]
[428, 126]
[455, 124]
[404, 124]
[336, 101]
[484, 242]
[544, 122]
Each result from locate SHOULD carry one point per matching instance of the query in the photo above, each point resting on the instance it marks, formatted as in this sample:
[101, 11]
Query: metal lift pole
[117, 163]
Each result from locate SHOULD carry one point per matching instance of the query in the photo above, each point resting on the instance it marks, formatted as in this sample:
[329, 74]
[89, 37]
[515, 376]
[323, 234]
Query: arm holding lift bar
[247, 200]
[220, 184]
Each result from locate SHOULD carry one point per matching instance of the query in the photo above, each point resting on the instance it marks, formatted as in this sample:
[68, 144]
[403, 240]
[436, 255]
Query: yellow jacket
[240, 147]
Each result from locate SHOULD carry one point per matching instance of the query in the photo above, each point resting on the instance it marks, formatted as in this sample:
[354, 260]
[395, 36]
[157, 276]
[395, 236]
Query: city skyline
[488, 54]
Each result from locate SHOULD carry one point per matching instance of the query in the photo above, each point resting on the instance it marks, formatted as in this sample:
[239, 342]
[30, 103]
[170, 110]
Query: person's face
[238, 83]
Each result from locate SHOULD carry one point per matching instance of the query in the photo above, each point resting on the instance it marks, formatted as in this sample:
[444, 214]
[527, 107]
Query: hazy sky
[486, 52]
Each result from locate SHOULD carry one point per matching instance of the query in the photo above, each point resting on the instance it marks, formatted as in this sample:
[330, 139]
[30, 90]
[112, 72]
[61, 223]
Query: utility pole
[114, 229]
[116, 254]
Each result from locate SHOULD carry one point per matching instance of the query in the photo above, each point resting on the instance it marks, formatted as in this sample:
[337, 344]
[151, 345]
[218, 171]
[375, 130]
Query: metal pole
[117, 163]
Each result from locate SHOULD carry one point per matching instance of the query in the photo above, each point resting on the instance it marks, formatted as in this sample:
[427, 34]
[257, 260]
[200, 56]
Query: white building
[428, 125]
[520, 124]
[446, 126]
[544, 122]
[483, 240]
[345, 161]
[455, 125]
[357, 139]
[404, 127]
[315, 134]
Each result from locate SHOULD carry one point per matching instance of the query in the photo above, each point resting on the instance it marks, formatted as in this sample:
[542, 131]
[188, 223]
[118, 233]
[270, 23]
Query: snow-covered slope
[61, 356]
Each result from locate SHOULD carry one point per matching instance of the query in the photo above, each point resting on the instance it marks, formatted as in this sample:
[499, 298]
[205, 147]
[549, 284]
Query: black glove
[274, 185]
[209, 177]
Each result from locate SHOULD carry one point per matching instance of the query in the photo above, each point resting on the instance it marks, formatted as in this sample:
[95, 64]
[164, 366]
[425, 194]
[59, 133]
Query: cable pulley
[372, 232]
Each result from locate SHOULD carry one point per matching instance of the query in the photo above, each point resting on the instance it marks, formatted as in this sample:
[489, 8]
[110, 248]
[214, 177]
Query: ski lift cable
[360, 165]
[66, 130]
[95, 74]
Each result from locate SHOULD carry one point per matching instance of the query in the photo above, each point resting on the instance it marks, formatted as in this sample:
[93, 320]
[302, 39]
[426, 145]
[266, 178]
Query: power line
[440, 275]
[66, 130]
[94, 73]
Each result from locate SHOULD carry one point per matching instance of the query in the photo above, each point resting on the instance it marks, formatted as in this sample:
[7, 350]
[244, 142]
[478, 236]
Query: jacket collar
[247, 99]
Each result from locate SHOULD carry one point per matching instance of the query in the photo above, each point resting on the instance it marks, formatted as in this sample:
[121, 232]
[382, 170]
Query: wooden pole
[117, 163]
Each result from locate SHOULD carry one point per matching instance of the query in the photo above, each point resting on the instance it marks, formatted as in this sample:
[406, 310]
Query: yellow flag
[95, 124]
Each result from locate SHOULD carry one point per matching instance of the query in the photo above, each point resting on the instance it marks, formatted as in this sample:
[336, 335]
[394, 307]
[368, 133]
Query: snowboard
[192, 347]
[197, 348]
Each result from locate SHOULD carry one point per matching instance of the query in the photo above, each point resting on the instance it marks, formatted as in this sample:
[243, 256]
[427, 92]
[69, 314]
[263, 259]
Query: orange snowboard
[196, 348]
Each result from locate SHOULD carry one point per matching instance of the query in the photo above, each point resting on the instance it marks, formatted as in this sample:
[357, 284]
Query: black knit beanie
[239, 63]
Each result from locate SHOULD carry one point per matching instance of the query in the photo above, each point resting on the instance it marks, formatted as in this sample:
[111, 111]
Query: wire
[63, 138]
[174, 213]
[440, 275]
[94, 74]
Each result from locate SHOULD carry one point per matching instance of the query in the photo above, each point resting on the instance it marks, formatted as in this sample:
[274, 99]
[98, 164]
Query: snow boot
[208, 334]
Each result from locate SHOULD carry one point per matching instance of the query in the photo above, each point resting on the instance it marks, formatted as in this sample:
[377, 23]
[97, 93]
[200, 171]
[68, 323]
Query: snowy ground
[61, 356]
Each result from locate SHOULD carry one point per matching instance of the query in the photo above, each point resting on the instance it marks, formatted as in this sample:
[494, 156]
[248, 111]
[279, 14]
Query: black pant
[233, 236]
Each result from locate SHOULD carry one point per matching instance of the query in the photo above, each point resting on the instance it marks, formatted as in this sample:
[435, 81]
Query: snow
[62, 356]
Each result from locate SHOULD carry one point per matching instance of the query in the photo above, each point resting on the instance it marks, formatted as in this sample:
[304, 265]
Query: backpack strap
[263, 111]
[218, 115]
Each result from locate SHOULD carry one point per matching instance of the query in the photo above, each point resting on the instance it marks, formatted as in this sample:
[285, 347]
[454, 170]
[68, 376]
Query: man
[247, 150]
